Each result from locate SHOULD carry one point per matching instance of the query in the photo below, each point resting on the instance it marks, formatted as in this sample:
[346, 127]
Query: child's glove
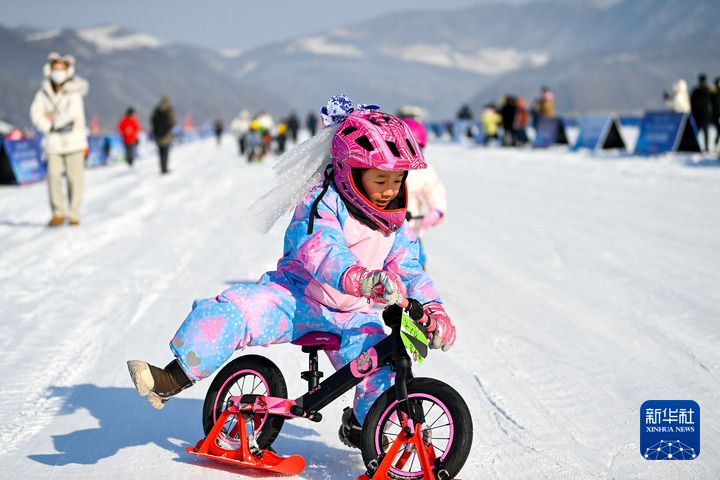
[379, 285]
[432, 218]
[441, 331]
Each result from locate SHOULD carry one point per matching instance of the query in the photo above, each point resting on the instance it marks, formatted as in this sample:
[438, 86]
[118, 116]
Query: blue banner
[478, 133]
[97, 151]
[460, 130]
[592, 131]
[571, 122]
[663, 131]
[435, 129]
[115, 147]
[446, 128]
[549, 131]
[25, 157]
[104, 149]
[630, 121]
[599, 131]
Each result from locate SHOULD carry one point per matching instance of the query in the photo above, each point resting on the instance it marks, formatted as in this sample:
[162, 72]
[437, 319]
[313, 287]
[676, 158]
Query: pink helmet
[418, 129]
[373, 139]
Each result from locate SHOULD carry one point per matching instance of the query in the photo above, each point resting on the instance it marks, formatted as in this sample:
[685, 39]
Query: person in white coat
[240, 126]
[427, 197]
[679, 100]
[58, 112]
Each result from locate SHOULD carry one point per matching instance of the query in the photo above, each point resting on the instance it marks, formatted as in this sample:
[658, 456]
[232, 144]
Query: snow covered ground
[582, 285]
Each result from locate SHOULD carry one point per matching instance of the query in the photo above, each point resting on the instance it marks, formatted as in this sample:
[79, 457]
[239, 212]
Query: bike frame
[390, 351]
[407, 337]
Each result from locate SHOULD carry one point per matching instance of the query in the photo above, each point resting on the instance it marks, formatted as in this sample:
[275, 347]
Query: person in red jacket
[129, 127]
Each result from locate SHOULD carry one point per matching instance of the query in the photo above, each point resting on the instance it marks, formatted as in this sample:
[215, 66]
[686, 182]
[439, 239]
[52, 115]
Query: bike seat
[322, 340]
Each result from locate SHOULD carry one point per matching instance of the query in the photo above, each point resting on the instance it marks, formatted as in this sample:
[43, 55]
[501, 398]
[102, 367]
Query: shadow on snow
[126, 420]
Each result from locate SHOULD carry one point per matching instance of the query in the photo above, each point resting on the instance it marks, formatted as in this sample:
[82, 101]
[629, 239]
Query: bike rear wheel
[448, 428]
[249, 374]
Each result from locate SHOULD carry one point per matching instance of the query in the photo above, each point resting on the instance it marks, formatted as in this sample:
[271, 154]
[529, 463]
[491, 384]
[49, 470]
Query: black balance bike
[419, 430]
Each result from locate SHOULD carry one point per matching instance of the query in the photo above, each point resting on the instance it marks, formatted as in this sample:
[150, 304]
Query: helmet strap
[313, 209]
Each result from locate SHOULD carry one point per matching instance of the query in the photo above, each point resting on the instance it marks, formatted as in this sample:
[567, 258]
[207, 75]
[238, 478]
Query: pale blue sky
[213, 23]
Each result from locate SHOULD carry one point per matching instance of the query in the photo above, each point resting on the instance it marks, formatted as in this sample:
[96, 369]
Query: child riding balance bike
[348, 245]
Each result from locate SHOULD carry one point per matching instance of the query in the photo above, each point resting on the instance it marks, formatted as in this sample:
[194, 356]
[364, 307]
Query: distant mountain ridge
[615, 58]
[594, 57]
[125, 68]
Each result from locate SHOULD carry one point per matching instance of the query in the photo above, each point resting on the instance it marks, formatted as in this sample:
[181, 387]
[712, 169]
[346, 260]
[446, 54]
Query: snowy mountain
[594, 56]
[634, 51]
[109, 38]
[126, 68]
[611, 56]
[582, 285]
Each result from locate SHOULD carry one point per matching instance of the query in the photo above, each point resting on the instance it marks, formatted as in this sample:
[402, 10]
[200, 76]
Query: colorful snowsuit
[305, 294]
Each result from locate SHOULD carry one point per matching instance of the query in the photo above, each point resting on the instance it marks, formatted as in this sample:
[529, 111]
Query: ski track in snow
[581, 284]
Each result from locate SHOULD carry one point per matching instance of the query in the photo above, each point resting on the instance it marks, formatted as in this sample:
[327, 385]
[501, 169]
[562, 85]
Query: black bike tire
[220, 387]
[459, 449]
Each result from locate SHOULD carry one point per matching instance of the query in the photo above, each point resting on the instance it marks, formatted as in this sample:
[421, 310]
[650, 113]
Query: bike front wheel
[447, 429]
[249, 374]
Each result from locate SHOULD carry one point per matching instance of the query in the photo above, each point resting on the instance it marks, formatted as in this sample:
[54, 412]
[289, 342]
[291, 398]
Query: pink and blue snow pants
[275, 310]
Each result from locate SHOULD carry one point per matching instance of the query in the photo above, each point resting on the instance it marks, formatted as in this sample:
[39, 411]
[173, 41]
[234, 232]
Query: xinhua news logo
[670, 430]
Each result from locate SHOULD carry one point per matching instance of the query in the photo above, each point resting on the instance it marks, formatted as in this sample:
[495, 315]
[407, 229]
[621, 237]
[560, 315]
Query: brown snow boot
[56, 220]
[158, 384]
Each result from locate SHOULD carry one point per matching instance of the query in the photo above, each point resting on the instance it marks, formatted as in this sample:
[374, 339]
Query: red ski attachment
[426, 454]
[265, 460]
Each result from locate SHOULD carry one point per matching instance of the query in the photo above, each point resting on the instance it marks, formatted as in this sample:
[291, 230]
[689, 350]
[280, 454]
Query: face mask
[58, 76]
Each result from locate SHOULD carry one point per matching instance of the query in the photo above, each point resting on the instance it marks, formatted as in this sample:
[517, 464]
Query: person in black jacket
[163, 121]
[312, 123]
[218, 128]
[700, 107]
[293, 125]
[508, 112]
[715, 104]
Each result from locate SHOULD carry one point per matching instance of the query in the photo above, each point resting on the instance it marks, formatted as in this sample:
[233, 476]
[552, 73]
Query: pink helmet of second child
[418, 129]
[373, 139]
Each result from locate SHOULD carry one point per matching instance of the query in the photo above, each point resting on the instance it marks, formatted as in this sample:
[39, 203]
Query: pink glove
[441, 331]
[378, 285]
[432, 218]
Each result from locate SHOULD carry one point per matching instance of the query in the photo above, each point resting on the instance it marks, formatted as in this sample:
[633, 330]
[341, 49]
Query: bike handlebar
[412, 306]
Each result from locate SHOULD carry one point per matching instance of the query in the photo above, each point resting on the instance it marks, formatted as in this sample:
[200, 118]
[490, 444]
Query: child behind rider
[347, 245]
[424, 188]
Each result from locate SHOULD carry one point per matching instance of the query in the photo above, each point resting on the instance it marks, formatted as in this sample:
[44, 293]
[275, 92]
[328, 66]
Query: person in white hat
[58, 112]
